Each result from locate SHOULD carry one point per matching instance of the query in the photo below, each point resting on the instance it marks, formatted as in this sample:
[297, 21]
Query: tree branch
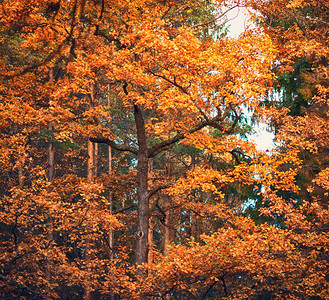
[36, 65]
[174, 83]
[164, 145]
[109, 38]
[51, 55]
[114, 145]
[20, 285]
[208, 290]
[214, 19]
[158, 188]
[235, 122]
[235, 156]
[224, 285]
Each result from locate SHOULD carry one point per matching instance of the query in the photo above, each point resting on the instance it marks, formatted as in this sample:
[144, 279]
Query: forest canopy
[126, 171]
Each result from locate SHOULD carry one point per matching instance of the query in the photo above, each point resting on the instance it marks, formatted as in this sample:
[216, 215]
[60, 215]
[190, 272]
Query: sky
[238, 20]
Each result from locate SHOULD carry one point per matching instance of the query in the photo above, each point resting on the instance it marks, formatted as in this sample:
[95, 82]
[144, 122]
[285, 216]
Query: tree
[299, 29]
[149, 80]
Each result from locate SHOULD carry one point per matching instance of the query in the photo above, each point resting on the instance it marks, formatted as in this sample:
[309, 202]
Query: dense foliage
[125, 169]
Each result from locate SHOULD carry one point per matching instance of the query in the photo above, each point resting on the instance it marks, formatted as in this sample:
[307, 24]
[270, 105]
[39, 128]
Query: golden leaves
[108, 59]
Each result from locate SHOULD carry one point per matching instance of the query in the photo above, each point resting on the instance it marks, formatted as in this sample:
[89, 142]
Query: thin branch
[83, 217]
[235, 156]
[202, 113]
[106, 241]
[163, 219]
[20, 285]
[174, 83]
[236, 152]
[51, 55]
[102, 11]
[224, 285]
[114, 145]
[37, 65]
[109, 38]
[15, 227]
[167, 144]
[236, 120]
[161, 211]
[295, 17]
[208, 290]
[214, 19]
[168, 292]
[124, 209]
[158, 188]
[181, 9]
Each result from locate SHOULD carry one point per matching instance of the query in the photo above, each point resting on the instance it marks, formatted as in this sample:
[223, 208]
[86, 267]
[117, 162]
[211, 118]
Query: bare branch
[36, 65]
[224, 285]
[153, 151]
[214, 19]
[114, 145]
[124, 209]
[167, 144]
[174, 83]
[158, 188]
[236, 157]
[20, 285]
[235, 122]
[208, 290]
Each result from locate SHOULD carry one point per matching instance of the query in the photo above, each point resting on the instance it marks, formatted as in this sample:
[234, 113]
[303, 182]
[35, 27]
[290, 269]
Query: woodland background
[125, 168]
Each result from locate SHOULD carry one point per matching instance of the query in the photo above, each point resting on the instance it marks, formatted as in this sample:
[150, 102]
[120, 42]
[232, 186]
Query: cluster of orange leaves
[74, 72]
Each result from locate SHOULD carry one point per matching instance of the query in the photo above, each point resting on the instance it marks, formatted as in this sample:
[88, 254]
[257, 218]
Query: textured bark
[20, 176]
[95, 159]
[51, 175]
[193, 224]
[150, 239]
[111, 233]
[51, 160]
[111, 236]
[20, 167]
[166, 235]
[90, 175]
[143, 210]
[90, 162]
[151, 221]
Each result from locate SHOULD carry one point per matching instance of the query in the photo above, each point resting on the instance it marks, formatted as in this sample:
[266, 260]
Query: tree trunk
[51, 160]
[193, 225]
[143, 210]
[91, 160]
[21, 163]
[95, 159]
[111, 233]
[20, 175]
[51, 175]
[151, 221]
[90, 176]
[166, 235]
[50, 233]
[111, 236]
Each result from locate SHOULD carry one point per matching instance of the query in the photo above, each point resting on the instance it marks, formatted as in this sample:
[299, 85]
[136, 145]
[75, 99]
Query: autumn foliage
[125, 168]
